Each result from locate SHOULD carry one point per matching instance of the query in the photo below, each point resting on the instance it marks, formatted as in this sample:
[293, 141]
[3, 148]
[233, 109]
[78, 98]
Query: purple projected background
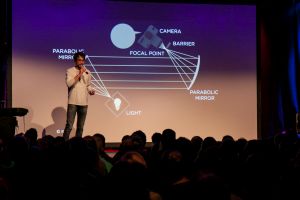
[198, 78]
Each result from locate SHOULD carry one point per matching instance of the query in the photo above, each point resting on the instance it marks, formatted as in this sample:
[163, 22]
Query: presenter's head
[79, 58]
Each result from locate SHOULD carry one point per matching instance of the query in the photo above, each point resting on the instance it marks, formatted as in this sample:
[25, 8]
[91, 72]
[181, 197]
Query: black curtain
[278, 73]
[5, 52]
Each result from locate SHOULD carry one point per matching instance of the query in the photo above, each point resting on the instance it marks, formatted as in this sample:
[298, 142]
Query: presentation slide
[188, 67]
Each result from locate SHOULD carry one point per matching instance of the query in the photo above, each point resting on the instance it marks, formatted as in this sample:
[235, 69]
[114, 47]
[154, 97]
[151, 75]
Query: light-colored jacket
[78, 92]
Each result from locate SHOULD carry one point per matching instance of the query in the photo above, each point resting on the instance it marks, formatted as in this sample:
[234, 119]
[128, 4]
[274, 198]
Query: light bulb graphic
[117, 103]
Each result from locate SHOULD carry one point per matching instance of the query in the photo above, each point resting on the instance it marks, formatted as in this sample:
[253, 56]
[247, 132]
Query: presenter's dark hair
[78, 54]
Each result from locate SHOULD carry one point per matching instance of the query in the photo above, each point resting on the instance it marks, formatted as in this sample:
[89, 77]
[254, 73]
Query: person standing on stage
[78, 80]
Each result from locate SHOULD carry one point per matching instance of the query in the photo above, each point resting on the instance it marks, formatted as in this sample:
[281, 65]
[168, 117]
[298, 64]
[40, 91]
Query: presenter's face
[79, 61]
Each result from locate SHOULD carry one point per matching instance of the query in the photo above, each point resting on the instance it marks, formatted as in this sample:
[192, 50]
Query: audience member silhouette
[177, 168]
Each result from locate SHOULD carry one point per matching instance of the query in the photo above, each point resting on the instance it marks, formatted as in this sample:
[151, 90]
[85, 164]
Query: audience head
[156, 138]
[168, 138]
[139, 138]
[100, 141]
[31, 136]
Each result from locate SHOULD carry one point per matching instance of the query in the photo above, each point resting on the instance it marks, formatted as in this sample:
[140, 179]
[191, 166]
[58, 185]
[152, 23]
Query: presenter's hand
[82, 70]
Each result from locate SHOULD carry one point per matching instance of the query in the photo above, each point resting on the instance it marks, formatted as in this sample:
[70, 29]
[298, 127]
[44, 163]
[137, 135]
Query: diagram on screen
[162, 69]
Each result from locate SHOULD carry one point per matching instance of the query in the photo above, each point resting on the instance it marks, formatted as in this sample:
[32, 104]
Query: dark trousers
[71, 113]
